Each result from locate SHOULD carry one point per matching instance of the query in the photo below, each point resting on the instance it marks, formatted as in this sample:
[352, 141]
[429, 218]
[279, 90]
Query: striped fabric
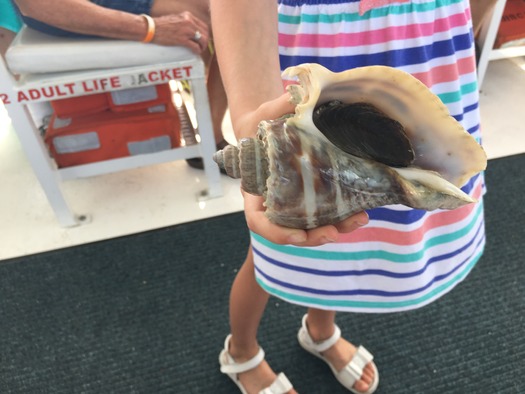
[404, 258]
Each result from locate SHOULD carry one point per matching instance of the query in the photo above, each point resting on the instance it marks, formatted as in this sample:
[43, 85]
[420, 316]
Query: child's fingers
[259, 224]
[352, 223]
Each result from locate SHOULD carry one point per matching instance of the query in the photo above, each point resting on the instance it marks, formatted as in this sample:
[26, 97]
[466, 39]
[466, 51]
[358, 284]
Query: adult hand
[181, 29]
[253, 205]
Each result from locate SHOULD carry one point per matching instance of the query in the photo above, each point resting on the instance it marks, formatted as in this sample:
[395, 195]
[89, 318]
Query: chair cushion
[33, 52]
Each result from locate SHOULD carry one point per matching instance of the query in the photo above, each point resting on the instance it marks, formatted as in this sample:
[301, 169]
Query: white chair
[487, 38]
[52, 67]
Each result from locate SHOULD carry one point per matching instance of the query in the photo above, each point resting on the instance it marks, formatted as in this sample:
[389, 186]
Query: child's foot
[340, 354]
[353, 367]
[259, 378]
[252, 373]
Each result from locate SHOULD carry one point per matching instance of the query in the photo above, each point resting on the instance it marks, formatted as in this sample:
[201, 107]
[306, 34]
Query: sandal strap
[281, 385]
[353, 371]
[324, 345]
[241, 367]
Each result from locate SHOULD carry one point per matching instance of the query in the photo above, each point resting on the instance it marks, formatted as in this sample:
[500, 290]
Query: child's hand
[247, 123]
[259, 223]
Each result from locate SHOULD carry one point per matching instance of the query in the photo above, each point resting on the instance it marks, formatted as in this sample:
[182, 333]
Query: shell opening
[362, 130]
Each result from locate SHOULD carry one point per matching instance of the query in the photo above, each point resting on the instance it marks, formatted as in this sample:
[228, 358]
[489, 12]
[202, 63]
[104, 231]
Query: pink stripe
[440, 74]
[447, 73]
[373, 36]
[395, 237]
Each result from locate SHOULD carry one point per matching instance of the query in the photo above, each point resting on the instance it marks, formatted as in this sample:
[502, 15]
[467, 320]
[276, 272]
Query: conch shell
[359, 139]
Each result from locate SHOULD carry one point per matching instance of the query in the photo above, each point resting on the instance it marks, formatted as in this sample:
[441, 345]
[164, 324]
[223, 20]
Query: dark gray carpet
[148, 314]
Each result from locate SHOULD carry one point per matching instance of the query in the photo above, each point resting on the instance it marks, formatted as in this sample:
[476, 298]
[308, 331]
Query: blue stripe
[393, 58]
[466, 110]
[372, 292]
[377, 272]
[471, 184]
[323, 17]
[470, 108]
[399, 217]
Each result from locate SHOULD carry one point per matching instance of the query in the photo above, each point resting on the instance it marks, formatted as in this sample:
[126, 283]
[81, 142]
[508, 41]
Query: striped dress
[404, 258]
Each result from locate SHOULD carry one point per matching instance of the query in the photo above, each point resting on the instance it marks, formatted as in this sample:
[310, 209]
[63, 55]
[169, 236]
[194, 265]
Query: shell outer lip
[466, 154]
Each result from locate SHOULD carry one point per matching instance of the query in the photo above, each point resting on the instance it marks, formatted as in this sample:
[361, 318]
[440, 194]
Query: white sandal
[281, 385]
[353, 370]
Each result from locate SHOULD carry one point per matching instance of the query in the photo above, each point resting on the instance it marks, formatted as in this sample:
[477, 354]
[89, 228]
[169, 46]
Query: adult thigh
[199, 8]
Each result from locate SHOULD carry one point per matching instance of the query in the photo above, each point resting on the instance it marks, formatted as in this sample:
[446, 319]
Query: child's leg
[247, 303]
[321, 326]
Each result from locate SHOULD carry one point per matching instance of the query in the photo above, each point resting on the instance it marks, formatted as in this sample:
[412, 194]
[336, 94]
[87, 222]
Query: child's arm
[246, 40]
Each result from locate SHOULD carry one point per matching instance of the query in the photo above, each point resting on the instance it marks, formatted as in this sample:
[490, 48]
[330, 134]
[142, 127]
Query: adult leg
[216, 92]
[247, 303]
[199, 8]
[217, 97]
[321, 326]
